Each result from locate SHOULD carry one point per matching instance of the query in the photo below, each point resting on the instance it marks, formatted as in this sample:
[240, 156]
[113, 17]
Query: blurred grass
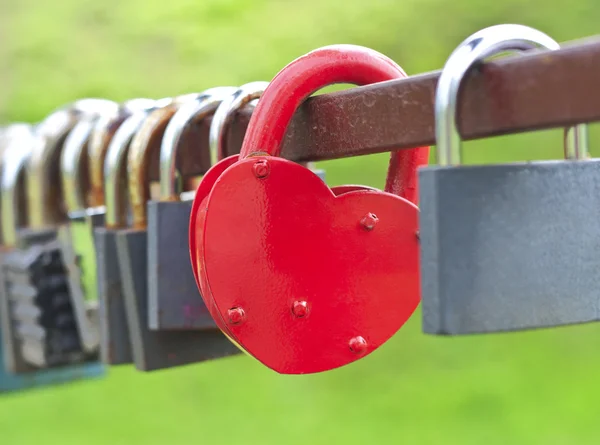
[528, 388]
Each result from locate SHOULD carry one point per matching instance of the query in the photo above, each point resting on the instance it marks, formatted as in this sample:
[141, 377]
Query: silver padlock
[108, 174]
[84, 212]
[44, 311]
[77, 244]
[505, 247]
[17, 144]
[154, 350]
[173, 299]
[15, 373]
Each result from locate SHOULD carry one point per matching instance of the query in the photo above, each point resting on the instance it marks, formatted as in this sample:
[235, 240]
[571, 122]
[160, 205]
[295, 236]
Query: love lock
[82, 163]
[15, 372]
[173, 297]
[77, 244]
[47, 319]
[108, 175]
[505, 247]
[154, 349]
[17, 145]
[306, 278]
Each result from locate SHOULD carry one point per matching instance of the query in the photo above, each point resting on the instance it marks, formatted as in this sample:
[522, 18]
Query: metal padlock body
[82, 163]
[36, 286]
[115, 341]
[196, 220]
[174, 303]
[294, 310]
[509, 247]
[505, 247]
[153, 350]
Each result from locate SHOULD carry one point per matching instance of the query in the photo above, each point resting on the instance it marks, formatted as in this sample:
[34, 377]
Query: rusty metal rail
[531, 91]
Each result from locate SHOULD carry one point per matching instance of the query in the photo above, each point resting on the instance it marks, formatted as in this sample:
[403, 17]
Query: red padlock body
[197, 217]
[319, 289]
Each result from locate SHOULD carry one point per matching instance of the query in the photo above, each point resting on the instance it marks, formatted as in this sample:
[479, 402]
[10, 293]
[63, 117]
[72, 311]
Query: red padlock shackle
[309, 73]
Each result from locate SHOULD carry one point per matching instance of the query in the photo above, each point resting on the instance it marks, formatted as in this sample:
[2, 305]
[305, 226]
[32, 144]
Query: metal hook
[226, 112]
[194, 111]
[483, 44]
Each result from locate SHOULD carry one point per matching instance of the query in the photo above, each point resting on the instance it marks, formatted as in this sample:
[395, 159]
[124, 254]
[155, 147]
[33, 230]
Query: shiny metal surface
[73, 154]
[192, 112]
[45, 205]
[485, 43]
[19, 144]
[104, 130]
[115, 169]
[226, 112]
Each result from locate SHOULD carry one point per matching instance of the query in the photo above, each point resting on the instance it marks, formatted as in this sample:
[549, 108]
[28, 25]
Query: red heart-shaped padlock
[303, 277]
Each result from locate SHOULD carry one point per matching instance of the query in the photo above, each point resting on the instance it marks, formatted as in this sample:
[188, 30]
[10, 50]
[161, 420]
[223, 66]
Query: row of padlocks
[119, 249]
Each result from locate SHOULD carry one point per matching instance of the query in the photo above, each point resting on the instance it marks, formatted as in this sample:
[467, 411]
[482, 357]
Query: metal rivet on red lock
[236, 315]
[261, 168]
[300, 309]
[369, 221]
[245, 96]
[254, 243]
[358, 345]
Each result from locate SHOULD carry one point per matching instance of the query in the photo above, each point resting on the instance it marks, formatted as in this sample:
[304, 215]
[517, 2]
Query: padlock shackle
[115, 171]
[19, 144]
[73, 161]
[104, 130]
[309, 73]
[301, 78]
[190, 113]
[146, 143]
[473, 50]
[138, 161]
[225, 114]
[70, 164]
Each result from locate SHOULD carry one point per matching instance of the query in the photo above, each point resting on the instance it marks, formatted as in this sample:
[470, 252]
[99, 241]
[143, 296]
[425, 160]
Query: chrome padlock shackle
[193, 112]
[486, 43]
[50, 136]
[14, 160]
[103, 131]
[225, 113]
[73, 154]
[115, 165]
[139, 155]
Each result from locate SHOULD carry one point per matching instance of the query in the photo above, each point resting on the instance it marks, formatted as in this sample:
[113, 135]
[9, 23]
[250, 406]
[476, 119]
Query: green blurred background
[538, 387]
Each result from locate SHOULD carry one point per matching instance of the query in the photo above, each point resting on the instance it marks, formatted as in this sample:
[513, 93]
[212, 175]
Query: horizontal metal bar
[531, 91]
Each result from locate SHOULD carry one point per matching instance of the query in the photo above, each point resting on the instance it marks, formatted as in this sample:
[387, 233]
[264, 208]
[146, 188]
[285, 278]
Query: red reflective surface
[303, 277]
[272, 242]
